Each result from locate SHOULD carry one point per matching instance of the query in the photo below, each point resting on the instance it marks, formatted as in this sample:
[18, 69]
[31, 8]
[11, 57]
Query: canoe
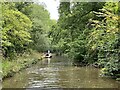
[48, 56]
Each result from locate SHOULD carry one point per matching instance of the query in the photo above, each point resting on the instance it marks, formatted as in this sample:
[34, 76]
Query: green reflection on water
[59, 73]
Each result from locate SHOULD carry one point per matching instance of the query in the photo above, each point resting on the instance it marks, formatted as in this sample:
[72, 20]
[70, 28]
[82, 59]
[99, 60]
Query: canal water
[59, 73]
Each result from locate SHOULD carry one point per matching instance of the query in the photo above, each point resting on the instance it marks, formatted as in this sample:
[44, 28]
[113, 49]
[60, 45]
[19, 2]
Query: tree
[16, 32]
[41, 27]
[105, 38]
[72, 28]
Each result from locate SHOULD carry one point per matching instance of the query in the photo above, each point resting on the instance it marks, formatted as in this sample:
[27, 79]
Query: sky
[52, 7]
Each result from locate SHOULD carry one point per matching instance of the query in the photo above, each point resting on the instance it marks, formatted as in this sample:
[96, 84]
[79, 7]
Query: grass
[9, 68]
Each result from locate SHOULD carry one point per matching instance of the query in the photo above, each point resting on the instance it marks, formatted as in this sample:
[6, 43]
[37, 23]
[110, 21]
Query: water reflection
[59, 73]
[48, 60]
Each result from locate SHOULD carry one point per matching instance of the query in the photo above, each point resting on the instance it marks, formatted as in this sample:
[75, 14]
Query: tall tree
[16, 31]
[106, 38]
[41, 27]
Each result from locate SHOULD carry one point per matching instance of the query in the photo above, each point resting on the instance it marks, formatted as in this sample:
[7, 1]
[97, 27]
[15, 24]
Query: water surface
[59, 73]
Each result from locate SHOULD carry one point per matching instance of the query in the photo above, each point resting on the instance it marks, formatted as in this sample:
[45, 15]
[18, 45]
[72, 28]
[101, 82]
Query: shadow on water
[58, 72]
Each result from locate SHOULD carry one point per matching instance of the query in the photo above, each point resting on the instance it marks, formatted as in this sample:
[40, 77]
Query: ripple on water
[59, 73]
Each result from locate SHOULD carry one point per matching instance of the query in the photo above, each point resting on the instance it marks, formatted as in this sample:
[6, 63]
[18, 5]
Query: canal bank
[11, 67]
[58, 72]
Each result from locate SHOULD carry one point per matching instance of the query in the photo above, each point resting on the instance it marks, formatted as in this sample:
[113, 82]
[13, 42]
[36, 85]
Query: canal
[59, 73]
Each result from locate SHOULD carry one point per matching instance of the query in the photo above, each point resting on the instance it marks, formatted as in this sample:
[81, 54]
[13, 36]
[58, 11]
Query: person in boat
[48, 54]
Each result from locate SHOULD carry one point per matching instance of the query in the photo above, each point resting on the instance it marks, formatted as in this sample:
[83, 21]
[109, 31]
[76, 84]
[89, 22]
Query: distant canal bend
[59, 73]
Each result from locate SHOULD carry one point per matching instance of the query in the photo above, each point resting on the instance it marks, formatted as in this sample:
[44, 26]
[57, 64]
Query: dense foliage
[15, 33]
[106, 39]
[89, 33]
[41, 27]
[24, 28]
